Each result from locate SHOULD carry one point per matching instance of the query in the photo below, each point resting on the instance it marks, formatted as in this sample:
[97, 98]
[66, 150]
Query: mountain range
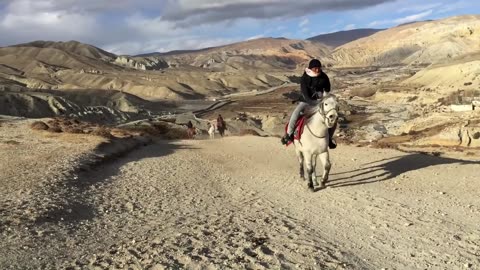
[254, 64]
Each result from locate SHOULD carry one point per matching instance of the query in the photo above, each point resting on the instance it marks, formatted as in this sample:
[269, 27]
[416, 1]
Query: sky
[144, 26]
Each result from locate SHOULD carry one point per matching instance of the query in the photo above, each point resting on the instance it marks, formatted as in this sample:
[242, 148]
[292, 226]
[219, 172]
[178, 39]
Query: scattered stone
[129, 206]
[157, 267]
[408, 224]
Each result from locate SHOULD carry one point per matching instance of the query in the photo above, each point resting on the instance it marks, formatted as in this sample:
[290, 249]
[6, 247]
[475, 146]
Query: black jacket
[310, 86]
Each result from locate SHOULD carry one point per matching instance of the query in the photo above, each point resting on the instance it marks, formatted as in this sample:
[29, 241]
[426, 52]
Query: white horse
[211, 131]
[314, 140]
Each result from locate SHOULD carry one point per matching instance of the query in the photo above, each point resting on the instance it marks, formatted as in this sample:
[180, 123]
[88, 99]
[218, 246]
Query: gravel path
[238, 202]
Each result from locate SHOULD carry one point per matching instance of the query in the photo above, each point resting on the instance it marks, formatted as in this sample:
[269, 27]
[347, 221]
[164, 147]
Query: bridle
[323, 114]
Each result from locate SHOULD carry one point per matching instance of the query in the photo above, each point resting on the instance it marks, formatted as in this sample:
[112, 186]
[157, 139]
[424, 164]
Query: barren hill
[74, 47]
[263, 53]
[342, 37]
[419, 43]
[256, 64]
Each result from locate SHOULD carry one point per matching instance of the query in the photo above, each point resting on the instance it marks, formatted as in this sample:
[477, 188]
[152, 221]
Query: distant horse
[221, 125]
[314, 140]
[211, 131]
[191, 132]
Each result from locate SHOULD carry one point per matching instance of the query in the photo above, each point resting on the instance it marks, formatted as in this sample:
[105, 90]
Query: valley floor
[238, 202]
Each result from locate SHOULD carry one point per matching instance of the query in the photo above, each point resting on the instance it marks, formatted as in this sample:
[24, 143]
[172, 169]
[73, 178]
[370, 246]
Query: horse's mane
[311, 110]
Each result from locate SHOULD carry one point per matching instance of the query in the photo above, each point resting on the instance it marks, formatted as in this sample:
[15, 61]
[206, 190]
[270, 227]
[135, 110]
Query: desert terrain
[192, 204]
[98, 171]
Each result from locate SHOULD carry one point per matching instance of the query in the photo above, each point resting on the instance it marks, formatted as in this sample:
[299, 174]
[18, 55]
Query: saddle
[298, 130]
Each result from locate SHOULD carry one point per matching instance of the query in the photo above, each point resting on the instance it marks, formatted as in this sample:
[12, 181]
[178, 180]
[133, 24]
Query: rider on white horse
[314, 84]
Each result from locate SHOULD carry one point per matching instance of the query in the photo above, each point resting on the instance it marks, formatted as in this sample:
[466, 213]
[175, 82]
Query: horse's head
[329, 109]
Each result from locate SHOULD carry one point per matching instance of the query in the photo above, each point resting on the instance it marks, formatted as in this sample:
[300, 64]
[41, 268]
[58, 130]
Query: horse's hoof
[310, 186]
[312, 189]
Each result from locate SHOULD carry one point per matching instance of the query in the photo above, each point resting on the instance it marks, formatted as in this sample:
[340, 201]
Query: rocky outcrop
[455, 136]
[129, 62]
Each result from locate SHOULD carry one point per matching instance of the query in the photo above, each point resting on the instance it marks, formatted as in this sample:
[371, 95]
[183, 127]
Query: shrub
[244, 132]
[39, 125]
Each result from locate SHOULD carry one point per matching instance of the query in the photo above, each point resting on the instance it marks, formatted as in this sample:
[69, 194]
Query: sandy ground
[237, 202]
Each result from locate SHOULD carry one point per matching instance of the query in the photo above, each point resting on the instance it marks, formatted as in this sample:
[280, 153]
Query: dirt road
[238, 202]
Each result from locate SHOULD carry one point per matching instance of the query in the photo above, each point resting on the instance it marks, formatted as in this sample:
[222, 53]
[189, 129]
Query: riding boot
[287, 138]
[331, 142]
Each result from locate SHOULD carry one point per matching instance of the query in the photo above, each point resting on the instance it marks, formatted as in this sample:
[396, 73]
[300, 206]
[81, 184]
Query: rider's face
[316, 69]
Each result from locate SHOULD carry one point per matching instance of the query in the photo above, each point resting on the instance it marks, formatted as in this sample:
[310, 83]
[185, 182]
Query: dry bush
[102, 132]
[162, 129]
[176, 134]
[122, 133]
[140, 131]
[55, 129]
[39, 125]
[11, 142]
[74, 130]
[385, 145]
[363, 92]
[244, 132]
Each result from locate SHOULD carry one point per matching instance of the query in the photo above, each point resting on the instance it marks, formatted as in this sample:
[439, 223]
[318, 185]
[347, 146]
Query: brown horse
[221, 125]
[191, 132]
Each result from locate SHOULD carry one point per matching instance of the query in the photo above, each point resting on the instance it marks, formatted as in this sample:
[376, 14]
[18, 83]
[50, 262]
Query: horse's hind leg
[325, 159]
[308, 162]
[300, 160]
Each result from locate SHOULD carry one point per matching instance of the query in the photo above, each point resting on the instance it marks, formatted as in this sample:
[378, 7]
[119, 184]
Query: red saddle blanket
[299, 125]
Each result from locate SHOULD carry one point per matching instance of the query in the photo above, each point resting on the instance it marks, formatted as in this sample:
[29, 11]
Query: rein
[323, 114]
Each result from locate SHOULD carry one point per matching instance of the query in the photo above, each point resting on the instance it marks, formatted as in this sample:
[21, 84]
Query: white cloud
[454, 6]
[378, 23]
[190, 43]
[29, 20]
[406, 19]
[304, 22]
[349, 27]
[153, 26]
[256, 37]
[413, 17]
[419, 8]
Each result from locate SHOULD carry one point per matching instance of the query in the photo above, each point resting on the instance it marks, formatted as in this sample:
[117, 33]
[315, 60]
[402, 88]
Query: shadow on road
[76, 194]
[386, 169]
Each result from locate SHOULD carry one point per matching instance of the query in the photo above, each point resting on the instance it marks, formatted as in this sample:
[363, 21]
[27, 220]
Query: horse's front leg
[302, 168]
[314, 166]
[325, 159]
[308, 162]
[300, 161]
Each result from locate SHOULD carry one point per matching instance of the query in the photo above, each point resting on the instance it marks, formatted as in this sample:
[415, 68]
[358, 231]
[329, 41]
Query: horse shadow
[386, 169]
